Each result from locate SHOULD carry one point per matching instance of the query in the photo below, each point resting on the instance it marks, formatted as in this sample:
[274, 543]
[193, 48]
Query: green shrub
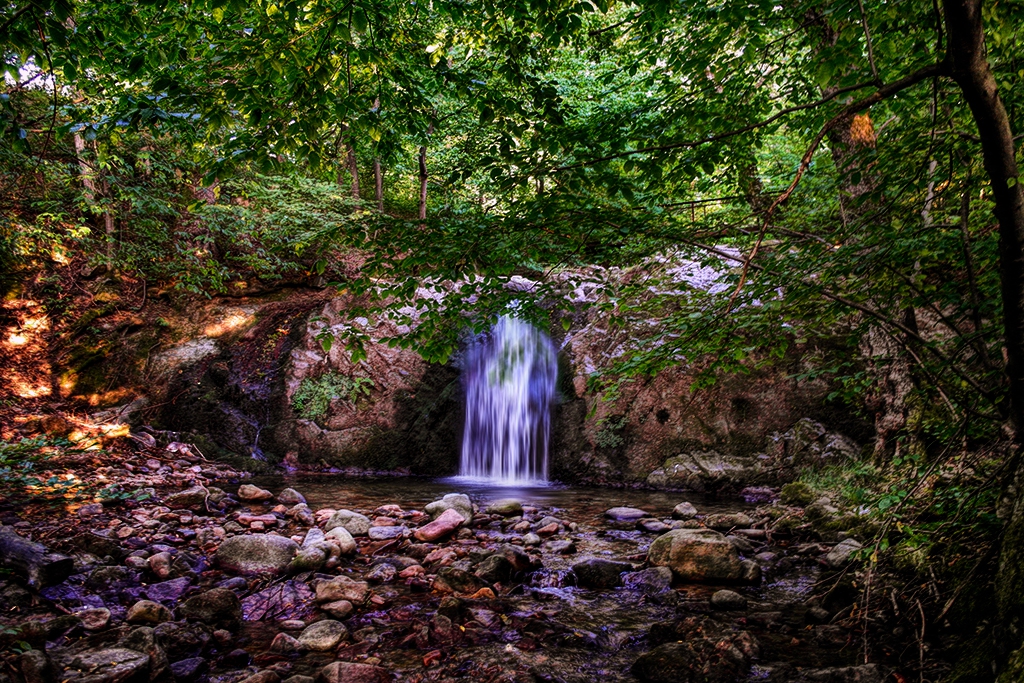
[313, 398]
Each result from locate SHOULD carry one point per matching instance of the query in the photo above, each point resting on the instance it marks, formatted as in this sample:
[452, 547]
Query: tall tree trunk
[378, 185]
[85, 173]
[423, 182]
[970, 69]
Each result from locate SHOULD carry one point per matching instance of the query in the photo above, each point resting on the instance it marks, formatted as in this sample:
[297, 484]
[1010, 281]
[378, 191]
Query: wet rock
[291, 497]
[532, 539]
[189, 499]
[285, 644]
[650, 581]
[253, 494]
[143, 639]
[866, 673]
[382, 573]
[696, 555]
[265, 676]
[446, 522]
[494, 569]
[625, 514]
[256, 554]
[168, 591]
[181, 640]
[839, 556]
[386, 533]
[506, 507]
[668, 663]
[308, 560]
[751, 572]
[684, 510]
[453, 501]
[342, 588]
[728, 600]
[728, 520]
[313, 536]
[94, 619]
[148, 612]
[455, 580]
[323, 635]
[352, 672]
[112, 665]
[339, 609]
[353, 522]
[724, 659]
[559, 547]
[742, 545]
[189, 670]
[651, 525]
[301, 514]
[108, 578]
[598, 573]
[342, 538]
[160, 564]
[217, 607]
[298, 678]
[548, 529]
[797, 493]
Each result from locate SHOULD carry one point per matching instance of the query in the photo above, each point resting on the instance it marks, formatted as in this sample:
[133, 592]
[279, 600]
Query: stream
[545, 627]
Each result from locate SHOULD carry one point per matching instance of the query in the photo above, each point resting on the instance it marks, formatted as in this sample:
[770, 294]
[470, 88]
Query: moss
[1014, 671]
[797, 493]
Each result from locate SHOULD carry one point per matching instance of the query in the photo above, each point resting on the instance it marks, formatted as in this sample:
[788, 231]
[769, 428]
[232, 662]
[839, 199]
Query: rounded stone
[728, 600]
[696, 555]
[256, 554]
[148, 612]
[323, 635]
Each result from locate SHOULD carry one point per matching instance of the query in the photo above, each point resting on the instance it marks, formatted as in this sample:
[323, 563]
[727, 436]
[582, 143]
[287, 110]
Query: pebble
[625, 514]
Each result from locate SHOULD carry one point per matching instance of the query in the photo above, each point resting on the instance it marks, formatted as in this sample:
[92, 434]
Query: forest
[771, 258]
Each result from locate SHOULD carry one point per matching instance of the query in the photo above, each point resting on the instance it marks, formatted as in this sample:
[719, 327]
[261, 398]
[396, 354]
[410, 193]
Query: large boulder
[256, 554]
[697, 555]
[353, 522]
[453, 501]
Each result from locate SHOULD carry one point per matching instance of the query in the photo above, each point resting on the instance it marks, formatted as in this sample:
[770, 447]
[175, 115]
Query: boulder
[256, 554]
[453, 501]
[342, 588]
[342, 537]
[598, 573]
[148, 612]
[626, 514]
[353, 522]
[696, 555]
[839, 556]
[506, 507]
[684, 511]
[291, 497]
[447, 521]
[308, 560]
[218, 607]
[323, 635]
[649, 581]
[253, 494]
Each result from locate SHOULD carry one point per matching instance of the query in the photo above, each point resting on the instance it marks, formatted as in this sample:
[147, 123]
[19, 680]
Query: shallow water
[598, 634]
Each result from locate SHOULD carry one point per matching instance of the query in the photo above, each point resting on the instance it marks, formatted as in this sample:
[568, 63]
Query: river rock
[308, 560]
[651, 525]
[865, 673]
[342, 588]
[353, 672]
[168, 591]
[112, 665]
[453, 501]
[454, 580]
[728, 600]
[323, 635]
[598, 573]
[494, 569]
[840, 554]
[728, 520]
[36, 667]
[189, 670]
[94, 619]
[668, 663]
[253, 494]
[217, 607]
[446, 522]
[684, 510]
[342, 537]
[148, 612]
[189, 499]
[386, 533]
[649, 581]
[626, 514]
[285, 644]
[181, 639]
[353, 522]
[291, 497]
[265, 676]
[339, 609]
[532, 539]
[559, 547]
[160, 564]
[506, 507]
[256, 554]
[696, 555]
[382, 573]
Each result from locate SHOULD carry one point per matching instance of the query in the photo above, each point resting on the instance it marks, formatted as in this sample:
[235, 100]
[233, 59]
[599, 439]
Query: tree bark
[968, 65]
[378, 185]
[423, 182]
[353, 170]
[33, 561]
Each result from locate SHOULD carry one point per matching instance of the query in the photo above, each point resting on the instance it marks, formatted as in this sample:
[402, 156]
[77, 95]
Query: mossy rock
[797, 493]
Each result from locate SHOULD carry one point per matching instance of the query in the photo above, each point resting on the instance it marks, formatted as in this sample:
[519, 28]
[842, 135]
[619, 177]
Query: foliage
[609, 432]
[313, 398]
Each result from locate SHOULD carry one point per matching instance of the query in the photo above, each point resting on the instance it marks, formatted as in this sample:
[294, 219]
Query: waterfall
[509, 378]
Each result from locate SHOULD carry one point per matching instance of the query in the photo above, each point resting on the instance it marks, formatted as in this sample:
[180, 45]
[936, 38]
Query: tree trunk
[423, 182]
[85, 173]
[353, 170]
[970, 69]
[378, 185]
[33, 561]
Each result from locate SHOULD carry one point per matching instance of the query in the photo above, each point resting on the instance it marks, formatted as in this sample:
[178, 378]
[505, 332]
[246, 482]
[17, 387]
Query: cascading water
[509, 378]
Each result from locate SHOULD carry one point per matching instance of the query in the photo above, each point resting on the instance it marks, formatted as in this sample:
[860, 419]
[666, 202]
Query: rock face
[256, 554]
[696, 555]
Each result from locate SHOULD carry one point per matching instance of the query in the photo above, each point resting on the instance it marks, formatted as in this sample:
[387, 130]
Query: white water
[509, 378]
